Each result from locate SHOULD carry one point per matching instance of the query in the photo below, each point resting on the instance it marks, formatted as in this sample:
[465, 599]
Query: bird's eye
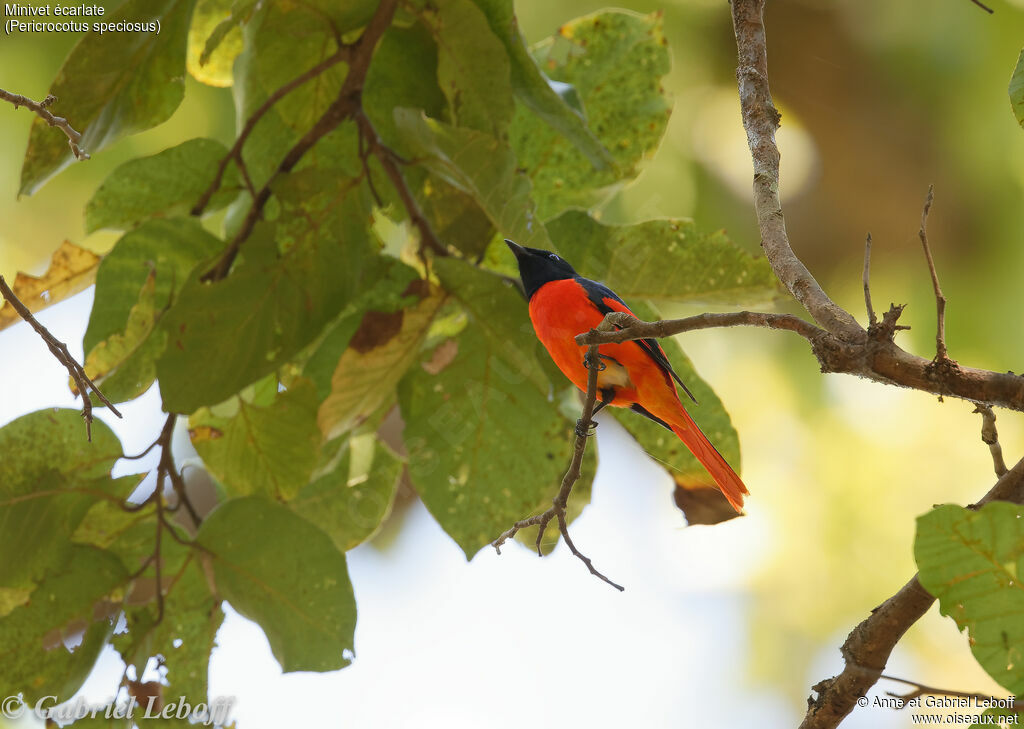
[553, 257]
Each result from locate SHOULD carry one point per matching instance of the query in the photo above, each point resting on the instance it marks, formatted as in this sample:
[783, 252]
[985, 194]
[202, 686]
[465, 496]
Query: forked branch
[584, 428]
[844, 347]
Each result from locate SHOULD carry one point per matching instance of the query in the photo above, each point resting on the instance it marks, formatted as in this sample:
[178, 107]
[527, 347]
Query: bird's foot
[585, 430]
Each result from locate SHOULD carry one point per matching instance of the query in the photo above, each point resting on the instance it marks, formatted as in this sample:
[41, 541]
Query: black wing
[597, 293]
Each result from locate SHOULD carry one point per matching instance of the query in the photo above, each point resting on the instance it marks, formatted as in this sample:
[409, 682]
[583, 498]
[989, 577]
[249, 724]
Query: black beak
[515, 248]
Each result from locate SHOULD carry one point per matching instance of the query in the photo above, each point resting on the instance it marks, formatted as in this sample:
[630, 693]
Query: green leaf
[662, 259]
[1017, 90]
[472, 66]
[455, 216]
[113, 84]
[266, 448]
[129, 535]
[277, 569]
[168, 183]
[74, 597]
[184, 637]
[215, 39]
[403, 73]
[499, 313]
[535, 91]
[283, 41]
[49, 477]
[972, 562]
[480, 166]
[615, 60]
[378, 354]
[486, 446]
[350, 501]
[386, 295]
[695, 494]
[298, 273]
[135, 284]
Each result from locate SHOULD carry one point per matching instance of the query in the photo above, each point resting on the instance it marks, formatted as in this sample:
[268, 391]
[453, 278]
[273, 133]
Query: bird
[635, 374]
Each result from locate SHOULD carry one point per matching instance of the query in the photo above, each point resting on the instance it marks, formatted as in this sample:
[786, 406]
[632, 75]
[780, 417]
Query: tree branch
[845, 347]
[584, 427]
[761, 120]
[869, 645]
[39, 107]
[342, 108]
[60, 351]
[342, 54]
[629, 327]
[877, 358]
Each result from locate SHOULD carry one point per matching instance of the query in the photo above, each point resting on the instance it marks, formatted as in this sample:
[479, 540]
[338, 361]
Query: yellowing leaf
[72, 269]
[1016, 90]
[215, 40]
[112, 362]
[378, 355]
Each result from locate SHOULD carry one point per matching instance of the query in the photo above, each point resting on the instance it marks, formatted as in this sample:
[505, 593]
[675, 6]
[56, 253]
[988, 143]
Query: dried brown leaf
[72, 269]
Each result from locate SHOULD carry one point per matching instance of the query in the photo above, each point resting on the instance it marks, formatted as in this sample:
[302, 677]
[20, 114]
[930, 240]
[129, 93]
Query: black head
[537, 267]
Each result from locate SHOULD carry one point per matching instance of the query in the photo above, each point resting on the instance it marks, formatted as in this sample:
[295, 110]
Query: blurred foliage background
[879, 100]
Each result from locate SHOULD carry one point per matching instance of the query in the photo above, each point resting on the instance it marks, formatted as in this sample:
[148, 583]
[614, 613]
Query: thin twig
[342, 108]
[158, 499]
[584, 427]
[235, 153]
[990, 436]
[921, 689]
[166, 466]
[940, 300]
[983, 6]
[60, 351]
[144, 453]
[872, 319]
[40, 108]
[390, 160]
[631, 328]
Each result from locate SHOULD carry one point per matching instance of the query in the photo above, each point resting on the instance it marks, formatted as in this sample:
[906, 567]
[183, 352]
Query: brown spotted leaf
[379, 353]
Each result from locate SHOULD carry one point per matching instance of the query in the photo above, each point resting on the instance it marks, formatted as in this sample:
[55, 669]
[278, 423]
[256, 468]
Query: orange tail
[730, 484]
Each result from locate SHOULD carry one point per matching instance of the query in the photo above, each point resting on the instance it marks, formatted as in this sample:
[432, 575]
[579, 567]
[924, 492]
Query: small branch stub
[41, 109]
[941, 355]
[872, 319]
[990, 437]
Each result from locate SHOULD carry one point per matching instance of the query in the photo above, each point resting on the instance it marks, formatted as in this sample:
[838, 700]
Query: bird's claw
[585, 430]
[590, 364]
